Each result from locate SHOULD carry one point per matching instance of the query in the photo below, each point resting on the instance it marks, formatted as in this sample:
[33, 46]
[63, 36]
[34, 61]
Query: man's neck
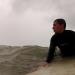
[61, 32]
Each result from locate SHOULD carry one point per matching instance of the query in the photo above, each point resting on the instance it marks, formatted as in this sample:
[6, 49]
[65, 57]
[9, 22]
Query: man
[64, 39]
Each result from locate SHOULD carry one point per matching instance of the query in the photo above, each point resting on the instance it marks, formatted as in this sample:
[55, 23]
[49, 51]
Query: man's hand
[44, 64]
[41, 66]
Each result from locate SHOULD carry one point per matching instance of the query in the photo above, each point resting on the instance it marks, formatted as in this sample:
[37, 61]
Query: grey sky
[29, 22]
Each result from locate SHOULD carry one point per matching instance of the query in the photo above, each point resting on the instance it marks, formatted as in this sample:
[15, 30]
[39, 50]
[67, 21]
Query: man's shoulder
[69, 31]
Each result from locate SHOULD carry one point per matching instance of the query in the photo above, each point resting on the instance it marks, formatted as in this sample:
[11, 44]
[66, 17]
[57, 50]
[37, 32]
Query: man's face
[57, 28]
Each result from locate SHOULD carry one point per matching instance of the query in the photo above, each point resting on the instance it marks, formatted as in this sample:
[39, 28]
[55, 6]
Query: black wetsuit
[65, 41]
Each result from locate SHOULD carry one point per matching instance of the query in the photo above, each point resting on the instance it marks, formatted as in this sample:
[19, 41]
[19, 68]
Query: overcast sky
[29, 22]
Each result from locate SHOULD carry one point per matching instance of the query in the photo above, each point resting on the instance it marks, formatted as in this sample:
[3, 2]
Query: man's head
[59, 25]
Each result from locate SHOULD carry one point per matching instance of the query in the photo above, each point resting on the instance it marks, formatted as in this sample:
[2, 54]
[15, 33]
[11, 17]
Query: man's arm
[51, 51]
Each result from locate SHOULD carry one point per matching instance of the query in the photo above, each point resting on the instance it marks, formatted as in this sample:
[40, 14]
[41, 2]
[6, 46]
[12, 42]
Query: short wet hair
[61, 21]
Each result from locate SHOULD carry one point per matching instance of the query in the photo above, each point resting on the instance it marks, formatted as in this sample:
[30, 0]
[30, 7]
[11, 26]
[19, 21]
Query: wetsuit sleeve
[51, 50]
[72, 38]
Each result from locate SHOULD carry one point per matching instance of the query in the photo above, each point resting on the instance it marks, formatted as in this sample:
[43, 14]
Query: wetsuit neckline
[60, 33]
